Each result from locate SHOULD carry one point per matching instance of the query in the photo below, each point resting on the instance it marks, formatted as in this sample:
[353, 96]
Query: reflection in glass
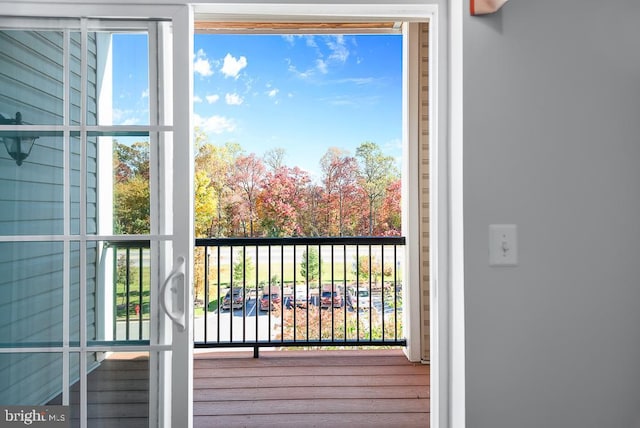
[31, 195]
[30, 379]
[32, 77]
[31, 293]
[118, 390]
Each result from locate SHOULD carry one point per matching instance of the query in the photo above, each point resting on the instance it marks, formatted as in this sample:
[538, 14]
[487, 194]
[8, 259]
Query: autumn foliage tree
[281, 202]
[377, 171]
[340, 179]
[246, 178]
[131, 188]
[236, 194]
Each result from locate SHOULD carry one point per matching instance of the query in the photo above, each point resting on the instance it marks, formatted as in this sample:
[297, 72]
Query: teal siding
[31, 203]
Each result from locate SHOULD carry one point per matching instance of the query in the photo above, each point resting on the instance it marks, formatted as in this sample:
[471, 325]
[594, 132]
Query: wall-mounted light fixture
[19, 145]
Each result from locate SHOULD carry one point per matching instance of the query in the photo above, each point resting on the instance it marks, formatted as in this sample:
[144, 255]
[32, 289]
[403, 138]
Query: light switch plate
[503, 245]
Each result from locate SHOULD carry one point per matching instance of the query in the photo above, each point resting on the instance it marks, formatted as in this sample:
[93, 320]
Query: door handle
[174, 291]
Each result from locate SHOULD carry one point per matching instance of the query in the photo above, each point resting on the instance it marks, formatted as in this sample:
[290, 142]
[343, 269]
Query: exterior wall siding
[32, 79]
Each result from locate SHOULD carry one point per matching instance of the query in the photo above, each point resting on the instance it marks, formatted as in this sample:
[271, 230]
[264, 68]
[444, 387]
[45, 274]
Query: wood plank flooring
[301, 389]
[377, 388]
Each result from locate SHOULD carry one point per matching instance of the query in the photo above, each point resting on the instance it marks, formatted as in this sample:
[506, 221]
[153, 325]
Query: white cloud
[272, 93]
[201, 65]
[232, 66]
[311, 41]
[289, 38]
[125, 117]
[321, 65]
[233, 99]
[339, 52]
[130, 121]
[197, 99]
[212, 98]
[214, 124]
[300, 74]
[145, 94]
[360, 81]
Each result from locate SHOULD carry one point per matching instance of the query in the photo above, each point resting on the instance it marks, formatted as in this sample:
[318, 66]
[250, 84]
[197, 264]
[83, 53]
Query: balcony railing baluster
[360, 315]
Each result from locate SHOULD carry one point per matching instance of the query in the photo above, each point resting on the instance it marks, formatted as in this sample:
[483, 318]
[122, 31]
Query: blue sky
[301, 93]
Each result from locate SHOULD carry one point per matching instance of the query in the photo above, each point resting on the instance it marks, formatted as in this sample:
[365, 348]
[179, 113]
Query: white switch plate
[503, 245]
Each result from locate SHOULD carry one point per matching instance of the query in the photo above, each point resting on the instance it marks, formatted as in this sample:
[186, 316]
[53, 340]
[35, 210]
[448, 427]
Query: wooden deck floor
[301, 389]
[377, 388]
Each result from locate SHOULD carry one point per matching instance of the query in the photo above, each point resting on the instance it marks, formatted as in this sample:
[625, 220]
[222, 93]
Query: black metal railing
[284, 292]
[131, 289]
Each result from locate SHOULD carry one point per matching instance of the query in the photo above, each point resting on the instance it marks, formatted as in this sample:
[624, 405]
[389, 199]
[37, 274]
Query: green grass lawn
[263, 275]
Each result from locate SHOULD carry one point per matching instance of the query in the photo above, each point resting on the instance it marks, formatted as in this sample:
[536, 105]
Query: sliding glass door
[93, 290]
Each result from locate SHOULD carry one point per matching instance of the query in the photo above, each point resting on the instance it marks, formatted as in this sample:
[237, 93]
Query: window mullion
[83, 222]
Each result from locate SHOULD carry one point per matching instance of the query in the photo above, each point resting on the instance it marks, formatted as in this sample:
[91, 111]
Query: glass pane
[74, 388]
[118, 291]
[31, 194]
[74, 185]
[31, 81]
[92, 185]
[118, 79]
[75, 79]
[118, 390]
[31, 281]
[30, 379]
[118, 198]
[131, 204]
[74, 293]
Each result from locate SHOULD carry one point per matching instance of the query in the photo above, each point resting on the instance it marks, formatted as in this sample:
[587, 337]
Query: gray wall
[552, 144]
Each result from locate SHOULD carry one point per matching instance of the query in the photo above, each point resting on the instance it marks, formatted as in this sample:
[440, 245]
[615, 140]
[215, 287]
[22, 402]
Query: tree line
[243, 195]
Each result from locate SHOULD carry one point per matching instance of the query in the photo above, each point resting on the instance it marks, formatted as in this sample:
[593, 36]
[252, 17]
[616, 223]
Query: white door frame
[447, 276]
[447, 352]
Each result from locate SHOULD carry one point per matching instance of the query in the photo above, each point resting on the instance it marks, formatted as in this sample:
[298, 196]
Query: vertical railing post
[218, 279]
[269, 294]
[395, 291]
[344, 290]
[244, 293]
[332, 301]
[295, 297]
[256, 309]
[127, 291]
[231, 292]
[140, 300]
[320, 292]
[382, 286]
[308, 291]
[282, 297]
[358, 293]
[115, 291]
[206, 292]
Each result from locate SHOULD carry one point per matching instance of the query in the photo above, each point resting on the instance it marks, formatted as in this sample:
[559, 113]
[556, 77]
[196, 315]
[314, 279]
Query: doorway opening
[256, 193]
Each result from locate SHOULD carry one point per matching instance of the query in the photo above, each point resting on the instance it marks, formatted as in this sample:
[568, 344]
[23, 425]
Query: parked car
[267, 302]
[233, 299]
[330, 298]
[301, 299]
[360, 299]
